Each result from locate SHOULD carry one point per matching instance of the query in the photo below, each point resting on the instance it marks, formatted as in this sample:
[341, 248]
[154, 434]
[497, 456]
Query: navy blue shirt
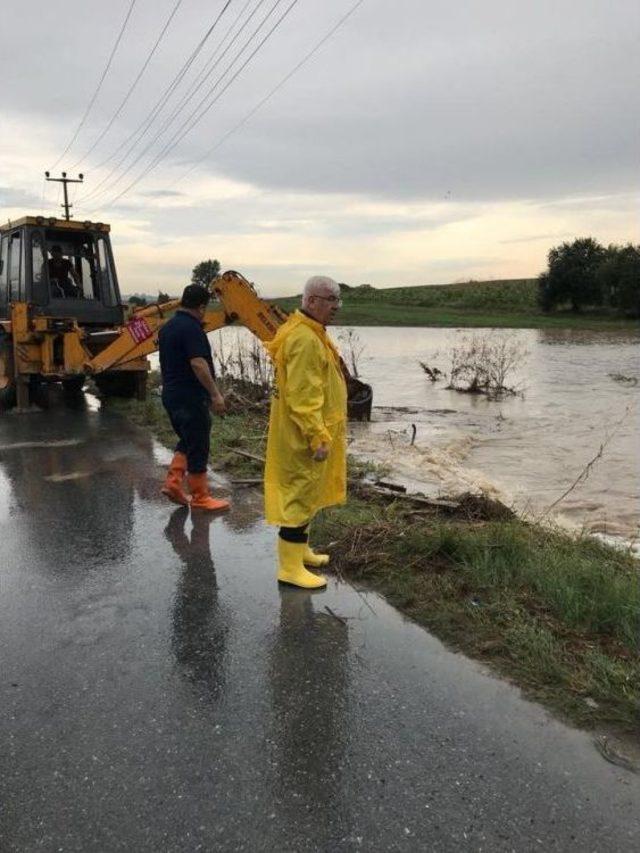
[181, 339]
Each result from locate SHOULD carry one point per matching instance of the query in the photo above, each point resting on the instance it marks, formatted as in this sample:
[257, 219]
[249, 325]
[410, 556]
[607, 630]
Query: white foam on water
[438, 470]
[433, 469]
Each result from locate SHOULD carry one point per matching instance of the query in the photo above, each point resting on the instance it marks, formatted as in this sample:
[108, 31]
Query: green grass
[559, 616]
[504, 295]
[509, 303]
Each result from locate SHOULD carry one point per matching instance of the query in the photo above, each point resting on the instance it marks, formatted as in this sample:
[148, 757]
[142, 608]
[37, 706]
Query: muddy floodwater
[527, 449]
[580, 390]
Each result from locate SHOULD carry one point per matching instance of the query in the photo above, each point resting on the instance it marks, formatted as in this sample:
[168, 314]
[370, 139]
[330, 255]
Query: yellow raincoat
[309, 407]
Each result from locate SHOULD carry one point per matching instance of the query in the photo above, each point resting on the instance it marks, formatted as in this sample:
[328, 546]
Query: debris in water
[434, 373]
[627, 380]
[384, 484]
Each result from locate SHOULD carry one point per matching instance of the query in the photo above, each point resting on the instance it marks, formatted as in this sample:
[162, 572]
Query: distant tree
[571, 276]
[204, 272]
[136, 300]
[163, 297]
[344, 287]
[619, 279]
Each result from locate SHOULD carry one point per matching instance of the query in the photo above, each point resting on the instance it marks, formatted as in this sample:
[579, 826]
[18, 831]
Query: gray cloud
[534, 237]
[502, 101]
[162, 194]
[17, 197]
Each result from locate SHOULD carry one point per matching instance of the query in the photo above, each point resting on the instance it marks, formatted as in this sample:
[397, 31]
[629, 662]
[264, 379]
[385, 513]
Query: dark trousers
[294, 534]
[191, 422]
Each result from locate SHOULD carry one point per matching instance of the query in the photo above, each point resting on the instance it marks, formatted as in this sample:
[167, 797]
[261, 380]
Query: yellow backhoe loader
[61, 317]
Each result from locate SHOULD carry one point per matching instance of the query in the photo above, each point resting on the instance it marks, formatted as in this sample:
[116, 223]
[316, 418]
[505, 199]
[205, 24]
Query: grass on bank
[558, 616]
[508, 303]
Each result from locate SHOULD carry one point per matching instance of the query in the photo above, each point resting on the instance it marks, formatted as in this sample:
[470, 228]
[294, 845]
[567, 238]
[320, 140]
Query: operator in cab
[189, 395]
[63, 279]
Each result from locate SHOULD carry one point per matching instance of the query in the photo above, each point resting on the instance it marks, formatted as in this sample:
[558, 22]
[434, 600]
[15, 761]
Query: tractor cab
[63, 269]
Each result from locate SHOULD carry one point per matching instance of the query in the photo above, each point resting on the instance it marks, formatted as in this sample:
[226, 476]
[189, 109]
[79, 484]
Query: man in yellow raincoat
[306, 446]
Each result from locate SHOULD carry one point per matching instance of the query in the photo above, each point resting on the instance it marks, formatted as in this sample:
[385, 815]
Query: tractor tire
[120, 384]
[39, 392]
[73, 385]
[8, 397]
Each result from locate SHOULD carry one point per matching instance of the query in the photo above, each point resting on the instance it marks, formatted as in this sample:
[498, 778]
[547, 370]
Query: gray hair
[317, 285]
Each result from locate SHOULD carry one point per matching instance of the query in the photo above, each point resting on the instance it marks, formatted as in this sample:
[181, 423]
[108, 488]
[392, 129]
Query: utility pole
[64, 180]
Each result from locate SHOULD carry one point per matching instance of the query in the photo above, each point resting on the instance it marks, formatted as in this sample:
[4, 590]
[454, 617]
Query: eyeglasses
[335, 300]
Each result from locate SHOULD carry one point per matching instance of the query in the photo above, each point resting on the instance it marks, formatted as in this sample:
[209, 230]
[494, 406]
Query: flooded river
[529, 449]
[526, 450]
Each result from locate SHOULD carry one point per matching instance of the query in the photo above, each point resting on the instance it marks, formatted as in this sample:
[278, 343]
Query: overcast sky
[425, 142]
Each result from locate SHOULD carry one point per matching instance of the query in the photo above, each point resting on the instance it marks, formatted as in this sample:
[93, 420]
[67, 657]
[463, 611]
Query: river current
[580, 400]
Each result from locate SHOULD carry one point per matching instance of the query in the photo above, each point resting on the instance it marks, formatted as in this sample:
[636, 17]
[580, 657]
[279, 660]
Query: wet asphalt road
[159, 693]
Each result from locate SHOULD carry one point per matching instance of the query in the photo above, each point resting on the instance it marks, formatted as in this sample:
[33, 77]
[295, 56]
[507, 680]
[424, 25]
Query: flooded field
[528, 449]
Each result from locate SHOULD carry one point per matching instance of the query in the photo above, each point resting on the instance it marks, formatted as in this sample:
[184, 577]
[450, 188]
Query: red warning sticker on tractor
[139, 329]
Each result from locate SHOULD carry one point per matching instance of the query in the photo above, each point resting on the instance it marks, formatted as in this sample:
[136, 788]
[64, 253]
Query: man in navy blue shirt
[189, 394]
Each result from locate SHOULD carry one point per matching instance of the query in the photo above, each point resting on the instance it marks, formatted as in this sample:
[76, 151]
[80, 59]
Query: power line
[222, 41]
[99, 86]
[98, 192]
[168, 123]
[132, 87]
[174, 141]
[271, 93]
[202, 76]
[146, 123]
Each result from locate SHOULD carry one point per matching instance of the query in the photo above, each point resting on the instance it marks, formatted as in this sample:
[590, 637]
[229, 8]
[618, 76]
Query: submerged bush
[483, 364]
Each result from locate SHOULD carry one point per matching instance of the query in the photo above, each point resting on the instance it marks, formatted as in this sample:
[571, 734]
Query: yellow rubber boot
[172, 487]
[291, 568]
[316, 561]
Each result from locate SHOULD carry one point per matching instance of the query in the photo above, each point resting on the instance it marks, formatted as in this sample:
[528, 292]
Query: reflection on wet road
[159, 692]
[199, 625]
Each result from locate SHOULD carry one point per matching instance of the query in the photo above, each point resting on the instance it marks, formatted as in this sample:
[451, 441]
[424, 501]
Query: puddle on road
[27, 445]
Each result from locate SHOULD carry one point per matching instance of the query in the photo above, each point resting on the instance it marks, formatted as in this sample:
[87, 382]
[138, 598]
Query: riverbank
[555, 614]
[377, 314]
[508, 303]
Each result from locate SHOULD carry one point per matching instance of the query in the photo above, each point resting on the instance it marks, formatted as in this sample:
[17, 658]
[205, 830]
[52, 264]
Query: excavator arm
[240, 305]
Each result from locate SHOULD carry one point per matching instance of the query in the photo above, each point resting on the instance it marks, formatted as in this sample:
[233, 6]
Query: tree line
[201, 274]
[585, 274]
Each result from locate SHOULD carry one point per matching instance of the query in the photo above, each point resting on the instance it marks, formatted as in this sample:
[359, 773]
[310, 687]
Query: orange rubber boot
[200, 497]
[172, 487]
